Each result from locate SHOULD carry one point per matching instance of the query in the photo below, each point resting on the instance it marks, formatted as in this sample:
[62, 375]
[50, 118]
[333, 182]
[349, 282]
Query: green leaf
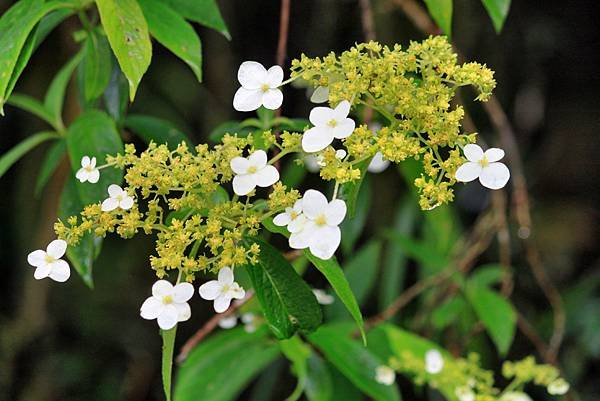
[168, 337]
[486, 275]
[55, 96]
[297, 352]
[222, 365]
[157, 130]
[498, 11]
[205, 12]
[448, 312]
[49, 165]
[496, 313]
[127, 33]
[94, 134]
[11, 157]
[97, 65]
[115, 95]
[319, 383]
[441, 11]
[420, 251]
[174, 33]
[32, 106]
[229, 127]
[291, 124]
[353, 228]
[287, 301]
[355, 361]
[349, 191]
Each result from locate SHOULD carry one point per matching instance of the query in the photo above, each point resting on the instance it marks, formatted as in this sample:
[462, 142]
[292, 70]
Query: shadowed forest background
[65, 342]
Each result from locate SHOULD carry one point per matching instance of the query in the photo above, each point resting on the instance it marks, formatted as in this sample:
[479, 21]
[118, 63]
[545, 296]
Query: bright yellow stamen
[49, 259]
[332, 123]
[264, 87]
[484, 162]
[293, 215]
[252, 169]
[167, 299]
[321, 220]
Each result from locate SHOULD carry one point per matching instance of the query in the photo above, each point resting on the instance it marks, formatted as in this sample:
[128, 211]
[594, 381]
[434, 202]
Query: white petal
[126, 203]
[210, 290]
[434, 363]
[228, 322]
[320, 94]
[114, 190]
[56, 248]
[82, 175]
[275, 76]
[325, 241]
[222, 303]
[162, 288]
[494, 154]
[282, 219]
[297, 224]
[494, 176]
[247, 99]
[94, 176]
[60, 271]
[252, 75]
[323, 298]
[225, 276]
[468, 172]
[341, 110]
[257, 159]
[236, 292]
[301, 239]
[151, 308]
[473, 152]
[243, 184]
[37, 258]
[335, 212]
[311, 163]
[378, 164]
[298, 206]
[183, 311]
[85, 161]
[109, 204]
[320, 116]
[385, 375]
[272, 99]
[313, 203]
[266, 176]
[93, 162]
[239, 165]
[344, 128]
[168, 318]
[316, 139]
[42, 272]
[183, 292]
[340, 154]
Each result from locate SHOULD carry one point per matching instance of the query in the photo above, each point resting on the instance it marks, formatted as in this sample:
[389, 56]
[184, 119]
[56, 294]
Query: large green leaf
[115, 95]
[498, 11]
[167, 359]
[94, 134]
[10, 157]
[221, 366]
[127, 32]
[496, 313]
[354, 360]
[97, 65]
[319, 384]
[205, 12]
[287, 301]
[441, 11]
[298, 353]
[32, 106]
[50, 163]
[157, 130]
[420, 251]
[55, 96]
[174, 33]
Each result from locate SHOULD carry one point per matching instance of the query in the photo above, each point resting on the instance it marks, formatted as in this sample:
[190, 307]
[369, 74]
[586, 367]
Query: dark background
[65, 342]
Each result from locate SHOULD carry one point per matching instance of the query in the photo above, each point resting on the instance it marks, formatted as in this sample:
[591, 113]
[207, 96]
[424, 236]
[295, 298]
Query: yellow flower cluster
[413, 89]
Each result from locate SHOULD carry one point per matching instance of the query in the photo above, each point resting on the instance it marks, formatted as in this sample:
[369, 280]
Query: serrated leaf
[287, 301]
[168, 337]
[157, 130]
[97, 65]
[174, 32]
[355, 361]
[127, 33]
[11, 157]
[441, 12]
[51, 161]
[205, 12]
[498, 11]
[222, 365]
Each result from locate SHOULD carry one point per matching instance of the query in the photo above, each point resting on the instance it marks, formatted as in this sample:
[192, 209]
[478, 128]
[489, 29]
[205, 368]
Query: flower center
[484, 162]
[293, 215]
[321, 220]
[89, 169]
[264, 87]
[332, 123]
[119, 198]
[167, 299]
[49, 259]
[252, 169]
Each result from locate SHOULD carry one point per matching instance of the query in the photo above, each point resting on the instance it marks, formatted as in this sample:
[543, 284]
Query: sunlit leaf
[498, 11]
[441, 11]
[167, 359]
[97, 65]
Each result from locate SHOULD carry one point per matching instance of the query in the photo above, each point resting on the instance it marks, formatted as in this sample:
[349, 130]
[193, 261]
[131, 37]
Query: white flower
[292, 218]
[434, 363]
[320, 233]
[464, 393]
[88, 171]
[328, 124]
[314, 162]
[168, 304]
[222, 290]
[320, 94]
[558, 387]
[323, 298]
[385, 375]
[485, 166]
[515, 396]
[228, 322]
[252, 172]
[378, 163]
[48, 263]
[259, 87]
[249, 321]
[118, 198]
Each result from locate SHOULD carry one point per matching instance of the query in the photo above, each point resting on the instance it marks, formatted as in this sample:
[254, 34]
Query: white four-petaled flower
[385, 375]
[485, 166]
[320, 232]
[259, 87]
[320, 94]
[292, 218]
[434, 362]
[48, 263]
[328, 124]
[252, 172]
[88, 171]
[558, 387]
[117, 198]
[168, 304]
[222, 290]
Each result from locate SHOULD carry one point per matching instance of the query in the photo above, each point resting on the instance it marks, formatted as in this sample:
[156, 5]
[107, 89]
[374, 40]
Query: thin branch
[366, 17]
